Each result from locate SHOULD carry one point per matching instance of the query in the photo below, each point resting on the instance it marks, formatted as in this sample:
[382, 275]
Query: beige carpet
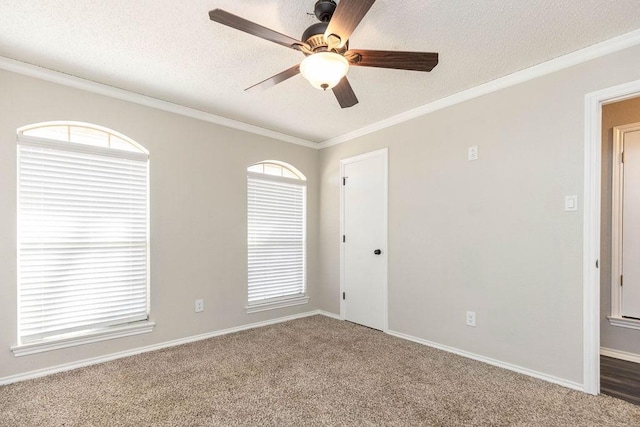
[312, 371]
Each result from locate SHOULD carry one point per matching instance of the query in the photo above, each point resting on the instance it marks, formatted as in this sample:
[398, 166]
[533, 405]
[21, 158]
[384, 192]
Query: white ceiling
[171, 50]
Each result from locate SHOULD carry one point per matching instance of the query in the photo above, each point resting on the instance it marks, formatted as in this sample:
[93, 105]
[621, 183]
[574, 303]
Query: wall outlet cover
[471, 318]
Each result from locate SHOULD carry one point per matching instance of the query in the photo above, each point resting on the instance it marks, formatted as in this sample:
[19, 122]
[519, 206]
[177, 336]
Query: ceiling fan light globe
[324, 70]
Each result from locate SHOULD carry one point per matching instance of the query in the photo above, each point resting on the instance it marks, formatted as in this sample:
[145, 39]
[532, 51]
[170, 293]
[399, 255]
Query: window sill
[624, 322]
[275, 304]
[70, 340]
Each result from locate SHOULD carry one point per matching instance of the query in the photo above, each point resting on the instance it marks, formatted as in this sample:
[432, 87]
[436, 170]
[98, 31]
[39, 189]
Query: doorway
[594, 103]
[624, 206]
[363, 253]
[619, 251]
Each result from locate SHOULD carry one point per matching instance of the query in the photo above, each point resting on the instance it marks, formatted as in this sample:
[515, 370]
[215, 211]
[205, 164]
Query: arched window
[82, 133]
[276, 211]
[275, 168]
[83, 238]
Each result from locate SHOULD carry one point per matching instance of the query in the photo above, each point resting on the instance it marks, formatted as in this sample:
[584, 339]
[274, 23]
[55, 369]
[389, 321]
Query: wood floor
[621, 379]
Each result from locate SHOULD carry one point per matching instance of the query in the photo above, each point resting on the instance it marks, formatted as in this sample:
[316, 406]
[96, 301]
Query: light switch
[473, 153]
[570, 203]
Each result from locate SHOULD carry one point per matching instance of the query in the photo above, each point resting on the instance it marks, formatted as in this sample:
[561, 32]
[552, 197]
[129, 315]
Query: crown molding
[569, 60]
[53, 76]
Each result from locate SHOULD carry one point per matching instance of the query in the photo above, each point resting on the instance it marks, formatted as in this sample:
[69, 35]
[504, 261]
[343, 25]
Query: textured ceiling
[172, 51]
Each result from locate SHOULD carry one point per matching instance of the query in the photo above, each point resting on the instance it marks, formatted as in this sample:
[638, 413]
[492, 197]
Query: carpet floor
[311, 371]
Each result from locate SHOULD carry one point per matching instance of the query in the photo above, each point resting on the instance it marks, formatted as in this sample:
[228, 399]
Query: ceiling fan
[326, 47]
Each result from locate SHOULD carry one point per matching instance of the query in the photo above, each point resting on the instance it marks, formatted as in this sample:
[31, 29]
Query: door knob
[377, 252]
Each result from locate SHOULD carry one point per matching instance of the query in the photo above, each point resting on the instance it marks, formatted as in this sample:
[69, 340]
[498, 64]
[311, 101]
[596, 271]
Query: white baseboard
[490, 361]
[113, 356]
[619, 354]
[329, 314]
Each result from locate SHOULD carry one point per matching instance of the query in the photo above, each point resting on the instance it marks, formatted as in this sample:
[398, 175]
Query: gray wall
[198, 214]
[491, 235]
[613, 337]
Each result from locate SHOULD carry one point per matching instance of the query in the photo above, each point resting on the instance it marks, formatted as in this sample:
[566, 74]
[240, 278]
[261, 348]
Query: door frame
[591, 226]
[343, 163]
[617, 190]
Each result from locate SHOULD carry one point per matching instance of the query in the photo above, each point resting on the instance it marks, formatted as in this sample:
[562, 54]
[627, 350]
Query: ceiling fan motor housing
[314, 35]
[316, 29]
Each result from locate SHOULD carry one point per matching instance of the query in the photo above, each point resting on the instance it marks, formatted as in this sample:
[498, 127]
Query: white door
[364, 246]
[631, 226]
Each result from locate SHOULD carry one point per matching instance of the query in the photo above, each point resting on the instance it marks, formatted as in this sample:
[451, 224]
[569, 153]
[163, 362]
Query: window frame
[91, 333]
[284, 300]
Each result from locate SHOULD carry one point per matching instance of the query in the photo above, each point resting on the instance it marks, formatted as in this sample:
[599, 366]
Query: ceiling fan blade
[278, 78]
[417, 61]
[233, 21]
[344, 93]
[346, 18]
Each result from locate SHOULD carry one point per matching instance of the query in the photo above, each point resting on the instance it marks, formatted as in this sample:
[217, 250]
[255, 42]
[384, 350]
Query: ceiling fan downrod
[324, 10]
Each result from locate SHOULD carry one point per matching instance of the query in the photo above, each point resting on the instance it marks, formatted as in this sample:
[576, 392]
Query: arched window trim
[138, 148]
[295, 171]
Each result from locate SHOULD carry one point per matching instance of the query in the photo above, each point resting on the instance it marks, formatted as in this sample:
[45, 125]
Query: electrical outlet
[473, 153]
[471, 318]
[199, 305]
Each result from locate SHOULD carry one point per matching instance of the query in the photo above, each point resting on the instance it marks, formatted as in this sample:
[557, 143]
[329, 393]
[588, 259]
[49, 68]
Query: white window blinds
[276, 237]
[82, 237]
